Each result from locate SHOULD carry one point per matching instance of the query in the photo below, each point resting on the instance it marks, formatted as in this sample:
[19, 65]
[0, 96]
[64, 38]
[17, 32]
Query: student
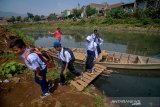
[98, 40]
[57, 34]
[33, 62]
[67, 58]
[92, 54]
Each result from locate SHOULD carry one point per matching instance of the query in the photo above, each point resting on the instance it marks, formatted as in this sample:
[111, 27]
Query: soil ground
[26, 93]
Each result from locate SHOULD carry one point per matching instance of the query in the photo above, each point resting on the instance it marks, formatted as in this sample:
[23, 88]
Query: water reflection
[133, 43]
[118, 85]
[70, 41]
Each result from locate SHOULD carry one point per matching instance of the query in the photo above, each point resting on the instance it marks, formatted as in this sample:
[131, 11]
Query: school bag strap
[70, 52]
[42, 55]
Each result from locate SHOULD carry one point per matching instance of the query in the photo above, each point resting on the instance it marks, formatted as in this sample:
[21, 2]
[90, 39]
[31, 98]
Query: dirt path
[26, 93]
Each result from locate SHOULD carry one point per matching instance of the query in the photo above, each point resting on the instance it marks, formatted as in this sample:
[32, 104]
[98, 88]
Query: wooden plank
[100, 66]
[86, 80]
[79, 87]
[88, 77]
[99, 70]
[91, 75]
[140, 59]
[82, 83]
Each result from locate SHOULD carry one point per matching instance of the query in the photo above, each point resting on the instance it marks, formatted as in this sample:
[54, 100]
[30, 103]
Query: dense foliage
[10, 69]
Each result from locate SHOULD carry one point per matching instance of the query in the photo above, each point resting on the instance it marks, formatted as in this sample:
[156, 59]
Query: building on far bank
[117, 5]
[143, 4]
[67, 13]
[3, 21]
[128, 6]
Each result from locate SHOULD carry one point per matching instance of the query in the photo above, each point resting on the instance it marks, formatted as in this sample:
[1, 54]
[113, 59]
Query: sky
[45, 7]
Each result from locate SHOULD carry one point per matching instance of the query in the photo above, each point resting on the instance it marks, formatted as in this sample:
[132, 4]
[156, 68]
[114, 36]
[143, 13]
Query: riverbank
[21, 90]
[116, 25]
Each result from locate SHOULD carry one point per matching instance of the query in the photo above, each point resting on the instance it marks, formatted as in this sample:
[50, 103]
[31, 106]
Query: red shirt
[58, 34]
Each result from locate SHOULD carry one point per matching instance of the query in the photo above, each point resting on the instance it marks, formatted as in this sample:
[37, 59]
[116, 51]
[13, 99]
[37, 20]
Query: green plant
[52, 75]
[8, 56]
[98, 100]
[119, 13]
[88, 90]
[81, 22]
[93, 21]
[108, 20]
[21, 35]
[146, 21]
[10, 69]
[69, 76]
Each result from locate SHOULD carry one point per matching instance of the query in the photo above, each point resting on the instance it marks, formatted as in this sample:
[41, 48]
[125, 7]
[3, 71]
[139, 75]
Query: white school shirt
[91, 45]
[34, 61]
[99, 42]
[66, 57]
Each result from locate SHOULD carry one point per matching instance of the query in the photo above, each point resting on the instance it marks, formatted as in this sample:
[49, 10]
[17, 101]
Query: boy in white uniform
[67, 58]
[92, 53]
[34, 63]
[98, 40]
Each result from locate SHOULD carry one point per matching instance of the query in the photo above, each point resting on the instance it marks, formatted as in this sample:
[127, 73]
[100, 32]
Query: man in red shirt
[57, 34]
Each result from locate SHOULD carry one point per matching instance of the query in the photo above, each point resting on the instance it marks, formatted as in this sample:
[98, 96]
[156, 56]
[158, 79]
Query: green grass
[8, 56]
[98, 100]
[52, 74]
[89, 90]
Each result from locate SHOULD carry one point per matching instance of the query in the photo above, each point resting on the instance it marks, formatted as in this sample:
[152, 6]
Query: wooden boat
[116, 60]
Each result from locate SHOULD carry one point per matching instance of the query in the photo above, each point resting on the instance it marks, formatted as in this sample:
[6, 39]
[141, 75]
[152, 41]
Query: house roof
[99, 6]
[113, 6]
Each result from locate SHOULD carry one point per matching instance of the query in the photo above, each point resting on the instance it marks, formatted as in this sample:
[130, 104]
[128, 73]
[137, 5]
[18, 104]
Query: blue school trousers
[90, 59]
[43, 83]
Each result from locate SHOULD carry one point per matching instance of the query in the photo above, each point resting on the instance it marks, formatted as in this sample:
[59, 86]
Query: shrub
[119, 13]
[93, 21]
[146, 21]
[156, 21]
[108, 20]
[10, 69]
[81, 22]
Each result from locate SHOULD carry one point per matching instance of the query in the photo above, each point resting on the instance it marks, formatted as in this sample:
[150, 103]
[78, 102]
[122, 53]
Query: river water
[123, 85]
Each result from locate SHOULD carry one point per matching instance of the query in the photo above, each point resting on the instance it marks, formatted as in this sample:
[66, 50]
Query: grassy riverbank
[111, 24]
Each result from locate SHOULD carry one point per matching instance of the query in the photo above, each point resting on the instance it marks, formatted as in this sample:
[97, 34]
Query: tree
[77, 12]
[25, 19]
[30, 15]
[18, 18]
[52, 16]
[90, 11]
[37, 18]
[42, 16]
[12, 19]
[119, 13]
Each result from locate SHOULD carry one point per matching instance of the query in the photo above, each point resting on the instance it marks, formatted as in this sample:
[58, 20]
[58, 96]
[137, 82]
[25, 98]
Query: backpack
[70, 52]
[42, 55]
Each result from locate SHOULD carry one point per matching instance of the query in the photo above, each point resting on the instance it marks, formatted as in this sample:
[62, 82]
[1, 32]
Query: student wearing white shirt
[92, 54]
[67, 58]
[34, 63]
[97, 39]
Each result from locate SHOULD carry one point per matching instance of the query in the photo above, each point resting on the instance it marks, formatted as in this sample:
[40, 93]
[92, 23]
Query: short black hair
[95, 30]
[19, 43]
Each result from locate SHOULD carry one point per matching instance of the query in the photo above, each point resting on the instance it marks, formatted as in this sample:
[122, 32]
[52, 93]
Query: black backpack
[70, 52]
